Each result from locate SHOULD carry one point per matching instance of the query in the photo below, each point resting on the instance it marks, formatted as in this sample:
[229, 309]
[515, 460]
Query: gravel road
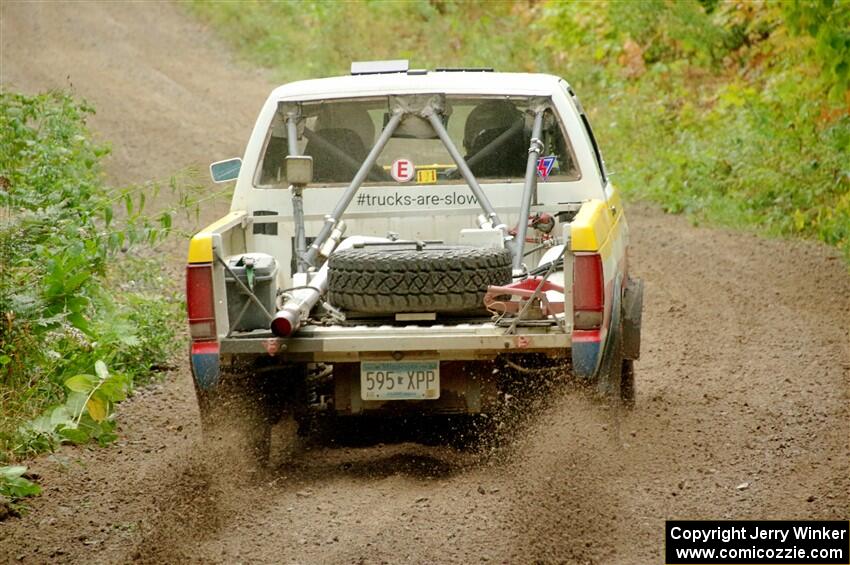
[743, 381]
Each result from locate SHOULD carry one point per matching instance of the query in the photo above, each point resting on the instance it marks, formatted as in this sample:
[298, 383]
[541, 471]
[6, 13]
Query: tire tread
[436, 279]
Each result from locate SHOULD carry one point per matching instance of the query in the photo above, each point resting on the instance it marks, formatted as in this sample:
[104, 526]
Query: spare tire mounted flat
[440, 279]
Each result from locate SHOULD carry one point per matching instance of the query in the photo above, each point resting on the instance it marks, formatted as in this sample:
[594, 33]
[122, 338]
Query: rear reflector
[588, 291]
[205, 348]
[200, 303]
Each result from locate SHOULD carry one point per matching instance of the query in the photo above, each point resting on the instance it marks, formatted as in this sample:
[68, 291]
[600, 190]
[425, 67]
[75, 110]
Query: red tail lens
[199, 301]
[588, 291]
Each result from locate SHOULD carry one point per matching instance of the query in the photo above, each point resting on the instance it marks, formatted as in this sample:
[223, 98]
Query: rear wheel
[627, 383]
[238, 413]
[617, 375]
[235, 418]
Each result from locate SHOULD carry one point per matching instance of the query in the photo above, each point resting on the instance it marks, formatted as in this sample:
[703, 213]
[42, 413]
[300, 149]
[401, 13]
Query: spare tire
[440, 279]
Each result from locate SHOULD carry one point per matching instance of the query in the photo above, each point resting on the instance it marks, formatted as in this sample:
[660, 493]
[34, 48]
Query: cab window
[493, 135]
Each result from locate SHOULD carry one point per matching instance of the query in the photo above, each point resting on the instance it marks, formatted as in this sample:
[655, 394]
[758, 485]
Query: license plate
[399, 380]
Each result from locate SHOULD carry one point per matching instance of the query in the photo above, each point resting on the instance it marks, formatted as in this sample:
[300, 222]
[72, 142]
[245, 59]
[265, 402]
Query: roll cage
[430, 110]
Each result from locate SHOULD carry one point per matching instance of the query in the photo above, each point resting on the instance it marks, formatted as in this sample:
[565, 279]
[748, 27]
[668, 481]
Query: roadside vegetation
[84, 315]
[735, 113]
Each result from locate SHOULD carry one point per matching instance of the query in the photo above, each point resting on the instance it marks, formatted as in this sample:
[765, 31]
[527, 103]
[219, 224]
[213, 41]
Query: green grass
[312, 39]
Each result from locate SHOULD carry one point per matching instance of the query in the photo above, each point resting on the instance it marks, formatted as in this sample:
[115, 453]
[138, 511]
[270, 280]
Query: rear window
[493, 135]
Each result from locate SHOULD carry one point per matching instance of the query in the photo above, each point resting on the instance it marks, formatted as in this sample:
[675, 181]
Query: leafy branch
[13, 487]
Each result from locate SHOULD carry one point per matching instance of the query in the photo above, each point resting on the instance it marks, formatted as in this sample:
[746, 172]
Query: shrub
[66, 302]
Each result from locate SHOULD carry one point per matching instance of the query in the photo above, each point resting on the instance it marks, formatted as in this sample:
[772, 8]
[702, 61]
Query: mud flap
[632, 313]
[585, 353]
[205, 363]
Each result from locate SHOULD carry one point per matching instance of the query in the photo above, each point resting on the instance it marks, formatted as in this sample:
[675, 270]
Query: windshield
[493, 135]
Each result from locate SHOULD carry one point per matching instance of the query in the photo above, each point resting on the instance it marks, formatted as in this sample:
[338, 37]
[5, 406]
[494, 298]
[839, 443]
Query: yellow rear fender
[201, 245]
[591, 227]
[600, 227]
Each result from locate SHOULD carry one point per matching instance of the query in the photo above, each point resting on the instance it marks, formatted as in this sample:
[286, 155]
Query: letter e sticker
[402, 170]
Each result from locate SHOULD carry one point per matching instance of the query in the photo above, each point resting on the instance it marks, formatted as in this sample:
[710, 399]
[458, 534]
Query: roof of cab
[449, 82]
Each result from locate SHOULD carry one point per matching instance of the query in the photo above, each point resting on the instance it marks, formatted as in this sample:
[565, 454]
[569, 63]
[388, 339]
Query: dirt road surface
[742, 407]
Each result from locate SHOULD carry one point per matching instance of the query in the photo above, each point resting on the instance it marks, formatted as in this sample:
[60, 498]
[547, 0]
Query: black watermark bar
[768, 542]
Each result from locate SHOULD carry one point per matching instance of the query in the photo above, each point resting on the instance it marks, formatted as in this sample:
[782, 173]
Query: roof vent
[379, 67]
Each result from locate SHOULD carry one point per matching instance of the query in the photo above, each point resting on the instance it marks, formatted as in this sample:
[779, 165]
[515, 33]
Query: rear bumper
[444, 342]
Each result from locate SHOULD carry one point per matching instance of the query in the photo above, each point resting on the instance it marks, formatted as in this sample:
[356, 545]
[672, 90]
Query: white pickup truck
[405, 241]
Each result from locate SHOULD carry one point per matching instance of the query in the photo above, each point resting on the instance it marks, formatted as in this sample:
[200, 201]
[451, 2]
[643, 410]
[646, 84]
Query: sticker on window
[545, 165]
[426, 176]
[402, 170]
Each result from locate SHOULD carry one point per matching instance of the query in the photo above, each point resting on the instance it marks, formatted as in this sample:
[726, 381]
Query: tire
[616, 380]
[627, 383]
[237, 415]
[433, 279]
[233, 421]
[617, 377]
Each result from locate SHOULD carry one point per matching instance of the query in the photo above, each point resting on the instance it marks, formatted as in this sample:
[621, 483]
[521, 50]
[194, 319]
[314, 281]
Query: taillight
[200, 303]
[588, 291]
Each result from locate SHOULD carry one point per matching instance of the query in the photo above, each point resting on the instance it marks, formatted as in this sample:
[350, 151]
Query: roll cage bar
[431, 108]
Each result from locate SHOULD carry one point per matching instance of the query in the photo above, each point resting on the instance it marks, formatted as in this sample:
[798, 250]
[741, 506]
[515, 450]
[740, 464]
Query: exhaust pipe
[289, 319]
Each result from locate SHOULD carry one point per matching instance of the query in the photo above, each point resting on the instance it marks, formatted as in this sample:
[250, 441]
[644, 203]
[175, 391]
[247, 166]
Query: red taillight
[199, 301]
[588, 291]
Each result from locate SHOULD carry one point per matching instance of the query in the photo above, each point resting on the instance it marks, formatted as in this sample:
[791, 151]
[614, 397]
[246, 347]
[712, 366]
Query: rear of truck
[404, 242]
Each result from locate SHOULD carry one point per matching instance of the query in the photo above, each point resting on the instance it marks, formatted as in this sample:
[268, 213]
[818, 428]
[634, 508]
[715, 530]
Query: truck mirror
[299, 169]
[223, 171]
